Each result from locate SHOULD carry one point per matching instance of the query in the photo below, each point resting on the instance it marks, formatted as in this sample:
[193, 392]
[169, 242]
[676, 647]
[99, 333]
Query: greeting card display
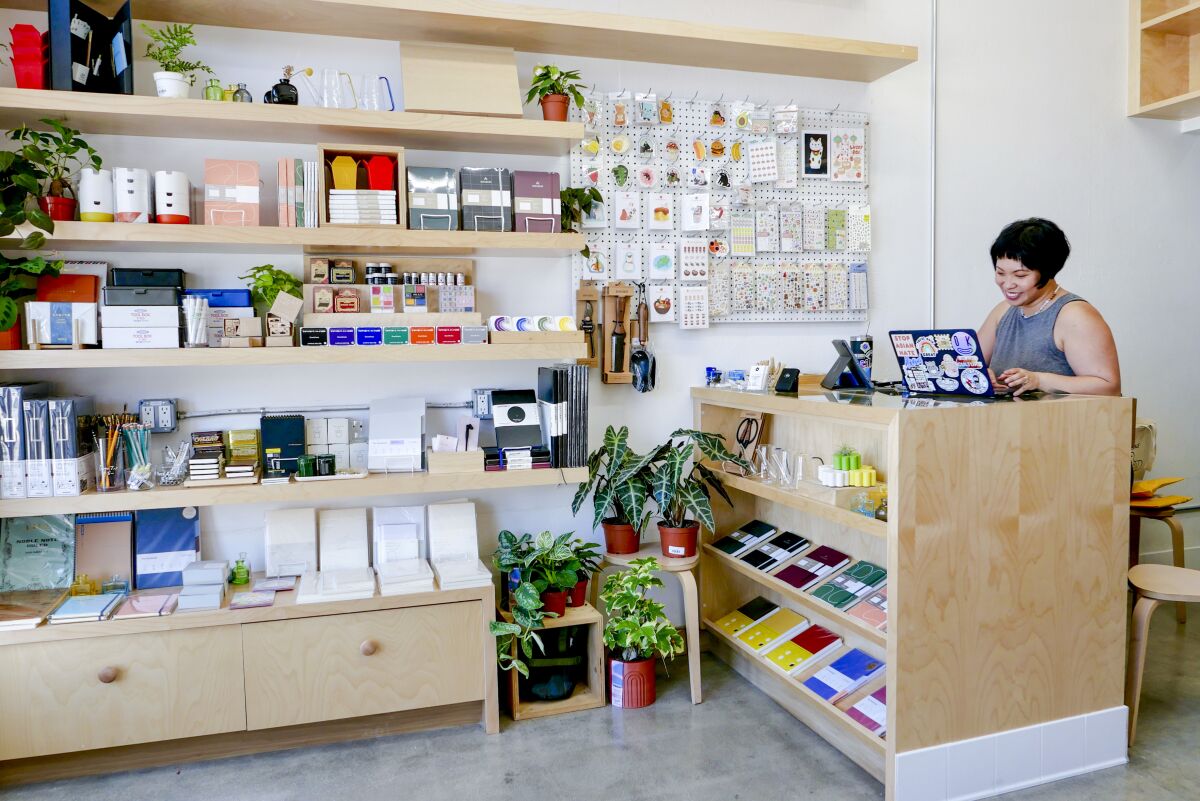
[661, 262]
[661, 300]
[659, 207]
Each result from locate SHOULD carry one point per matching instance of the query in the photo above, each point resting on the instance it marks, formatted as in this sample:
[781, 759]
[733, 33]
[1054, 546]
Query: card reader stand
[845, 372]
[618, 301]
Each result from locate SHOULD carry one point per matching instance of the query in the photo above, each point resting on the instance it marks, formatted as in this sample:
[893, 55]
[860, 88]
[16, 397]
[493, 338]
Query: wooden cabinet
[74, 695]
[367, 663]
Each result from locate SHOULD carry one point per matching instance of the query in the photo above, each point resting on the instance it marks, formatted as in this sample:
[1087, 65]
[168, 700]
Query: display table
[1005, 550]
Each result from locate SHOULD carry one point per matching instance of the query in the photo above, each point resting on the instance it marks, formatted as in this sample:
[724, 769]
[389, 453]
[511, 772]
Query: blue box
[222, 298]
[341, 336]
[369, 336]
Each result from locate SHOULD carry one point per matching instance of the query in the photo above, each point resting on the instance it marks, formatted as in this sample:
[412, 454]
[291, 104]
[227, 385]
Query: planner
[165, 542]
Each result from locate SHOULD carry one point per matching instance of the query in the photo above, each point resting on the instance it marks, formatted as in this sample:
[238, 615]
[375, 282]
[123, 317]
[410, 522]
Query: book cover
[845, 675]
[758, 559]
[871, 712]
[803, 648]
[779, 549]
[797, 577]
[746, 615]
[783, 624]
[745, 538]
[872, 609]
[165, 542]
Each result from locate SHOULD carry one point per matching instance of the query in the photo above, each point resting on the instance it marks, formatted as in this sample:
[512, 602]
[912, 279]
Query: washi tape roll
[544, 322]
[500, 322]
[526, 324]
[565, 323]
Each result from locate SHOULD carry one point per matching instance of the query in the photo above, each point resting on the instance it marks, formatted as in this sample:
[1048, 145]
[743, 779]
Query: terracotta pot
[11, 339]
[578, 595]
[631, 684]
[620, 537]
[554, 108]
[60, 209]
[679, 543]
[555, 601]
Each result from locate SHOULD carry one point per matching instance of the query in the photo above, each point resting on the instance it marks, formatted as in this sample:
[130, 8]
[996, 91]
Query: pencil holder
[140, 477]
[110, 476]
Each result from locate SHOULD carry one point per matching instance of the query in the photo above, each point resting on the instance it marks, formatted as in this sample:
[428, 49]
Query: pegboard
[692, 121]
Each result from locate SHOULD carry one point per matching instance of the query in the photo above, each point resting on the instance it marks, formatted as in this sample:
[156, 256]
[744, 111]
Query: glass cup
[110, 476]
[375, 93]
[331, 89]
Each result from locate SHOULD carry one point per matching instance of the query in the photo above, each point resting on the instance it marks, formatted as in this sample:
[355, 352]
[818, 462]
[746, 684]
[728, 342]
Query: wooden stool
[682, 569]
[1153, 584]
[1166, 515]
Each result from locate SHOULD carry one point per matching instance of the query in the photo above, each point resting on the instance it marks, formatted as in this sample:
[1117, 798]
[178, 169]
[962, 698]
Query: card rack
[691, 121]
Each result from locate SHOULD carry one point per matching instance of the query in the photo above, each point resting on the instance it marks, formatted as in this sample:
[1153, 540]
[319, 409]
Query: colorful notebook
[872, 609]
[779, 549]
[745, 538]
[846, 588]
[845, 675]
[147, 606]
[783, 624]
[79, 608]
[745, 615]
[812, 567]
[871, 712]
[803, 649]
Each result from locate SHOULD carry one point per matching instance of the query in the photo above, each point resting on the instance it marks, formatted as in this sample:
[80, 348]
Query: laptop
[942, 362]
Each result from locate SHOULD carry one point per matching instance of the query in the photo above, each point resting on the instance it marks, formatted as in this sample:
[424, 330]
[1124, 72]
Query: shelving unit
[843, 517]
[1164, 59]
[375, 484]
[588, 695]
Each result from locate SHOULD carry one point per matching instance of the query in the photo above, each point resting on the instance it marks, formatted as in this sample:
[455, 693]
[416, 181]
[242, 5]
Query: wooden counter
[1006, 551]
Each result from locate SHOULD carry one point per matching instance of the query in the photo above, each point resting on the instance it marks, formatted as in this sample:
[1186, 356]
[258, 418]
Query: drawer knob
[107, 675]
[368, 647]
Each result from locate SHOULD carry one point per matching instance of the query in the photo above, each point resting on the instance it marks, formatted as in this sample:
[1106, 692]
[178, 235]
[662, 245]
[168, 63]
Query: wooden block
[280, 341]
[460, 79]
[618, 304]
[588, 295]
[243, 326]
[534, 337]
[442, 462]
[241, 342]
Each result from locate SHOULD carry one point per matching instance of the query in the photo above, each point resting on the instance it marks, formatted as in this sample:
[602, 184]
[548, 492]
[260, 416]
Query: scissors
[746, 433]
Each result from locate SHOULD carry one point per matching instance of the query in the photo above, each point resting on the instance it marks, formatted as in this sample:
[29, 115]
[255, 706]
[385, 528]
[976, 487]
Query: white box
[339, 431]
[72, 476]
[358, 456]
[54, 322]
[397, 435]
[344, 542]
[213, 571]
[38, 481]
[141, 337]
[12, 479]
[291, 542]
[316, 432]
[140, 316]
[341, 454]
[217, 318]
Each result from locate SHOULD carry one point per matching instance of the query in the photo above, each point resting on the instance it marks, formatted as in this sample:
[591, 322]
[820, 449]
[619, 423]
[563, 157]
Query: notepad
[780, 626]
[871, 712]
[803, 649]
[81, 608]
[747, 614]
[845, 675]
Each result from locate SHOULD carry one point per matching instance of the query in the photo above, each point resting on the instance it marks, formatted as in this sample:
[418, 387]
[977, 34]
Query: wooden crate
[326, 152]
[586, 696]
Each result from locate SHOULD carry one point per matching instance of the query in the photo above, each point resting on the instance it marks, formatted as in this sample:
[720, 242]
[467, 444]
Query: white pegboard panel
[691, 122]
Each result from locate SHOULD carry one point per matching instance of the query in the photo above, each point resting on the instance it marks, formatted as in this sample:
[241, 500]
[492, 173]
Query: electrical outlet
[159, 414]
[482, 399]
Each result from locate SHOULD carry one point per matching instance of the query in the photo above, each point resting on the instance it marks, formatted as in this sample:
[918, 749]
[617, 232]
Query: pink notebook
[871, 712]
[147, 606]
[872, 609]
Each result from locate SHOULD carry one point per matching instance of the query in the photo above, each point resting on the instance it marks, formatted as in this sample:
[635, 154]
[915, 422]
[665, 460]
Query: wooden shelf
[258, 357]
[1183, 21]
[139, 115]
[535, 29]
[843, 517]
[575, 616]
[375, 484]
[581, 699]
[1164, 50]
[838, 621]
[808, 402]
[270, 239]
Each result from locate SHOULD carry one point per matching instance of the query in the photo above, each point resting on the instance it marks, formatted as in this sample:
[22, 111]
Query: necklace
[1045, 304]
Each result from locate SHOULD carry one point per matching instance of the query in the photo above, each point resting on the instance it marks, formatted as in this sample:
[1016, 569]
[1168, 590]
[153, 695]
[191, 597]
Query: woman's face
[1017, 282]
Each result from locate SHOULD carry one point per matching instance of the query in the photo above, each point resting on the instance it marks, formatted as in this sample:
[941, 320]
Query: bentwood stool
[1167, 515]
[682, 569]
[1154, 584]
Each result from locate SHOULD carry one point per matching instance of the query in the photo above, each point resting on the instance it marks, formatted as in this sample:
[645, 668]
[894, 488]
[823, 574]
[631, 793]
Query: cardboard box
[217, 318]
[243, 327]
[280, 342]
[432, 199]
[341, 455]
[140, 316]
[338, 430]
[163, 337]
[358, 456]
[242, 342]
[231, 194]
[536, 202]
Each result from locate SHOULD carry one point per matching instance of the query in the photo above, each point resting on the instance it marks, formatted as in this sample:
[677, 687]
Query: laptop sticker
[974, 381]
[964, 343]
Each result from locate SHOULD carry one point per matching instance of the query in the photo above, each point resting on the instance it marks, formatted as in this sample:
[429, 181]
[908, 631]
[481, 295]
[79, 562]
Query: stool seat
[668, 564]
[1166, 583]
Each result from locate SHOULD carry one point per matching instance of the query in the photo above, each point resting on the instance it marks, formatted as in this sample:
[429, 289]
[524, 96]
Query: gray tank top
[1028, 342]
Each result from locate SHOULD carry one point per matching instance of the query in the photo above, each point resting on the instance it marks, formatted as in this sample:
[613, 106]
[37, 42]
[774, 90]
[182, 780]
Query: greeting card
[848, 155]
[661, 262]
[660, 211]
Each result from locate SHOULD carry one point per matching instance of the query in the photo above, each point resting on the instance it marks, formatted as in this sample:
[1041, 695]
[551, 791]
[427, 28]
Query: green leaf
[632, 495]
[521, 668]
[8, 313]
[693, 497]
[33, 241]
[603, 500]
[527, 596]
[501, 627]
[40, 218]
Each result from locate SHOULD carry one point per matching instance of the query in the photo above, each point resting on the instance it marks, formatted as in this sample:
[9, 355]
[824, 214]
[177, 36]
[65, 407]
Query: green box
[395, 335]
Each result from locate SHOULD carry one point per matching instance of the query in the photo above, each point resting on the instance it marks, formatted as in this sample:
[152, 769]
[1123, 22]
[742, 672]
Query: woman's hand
[1020, 380]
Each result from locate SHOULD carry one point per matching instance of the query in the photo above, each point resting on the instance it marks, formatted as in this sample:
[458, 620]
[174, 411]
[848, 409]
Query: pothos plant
[56, 155]
[681, 492]
[550, 80]
[166, 47]
[267, 281]
[637, 626]
[19, 183]
[577, 204]
[618, 480]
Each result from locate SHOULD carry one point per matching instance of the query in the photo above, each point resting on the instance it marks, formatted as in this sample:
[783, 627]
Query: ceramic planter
[578, 594]
[631, 684]
[679, 543]
[96, 195]
[172, 197]
[555, 601]
[554, 108]
[620, 537]
[60, 209]
[171, 84]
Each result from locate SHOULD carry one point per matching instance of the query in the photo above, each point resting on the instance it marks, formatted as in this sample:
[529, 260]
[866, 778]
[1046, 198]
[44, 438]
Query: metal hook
[835, 108]
[693, 100]
[669, 95]
[650, 91]
[722, 97]
[747, 100]
[791, 100]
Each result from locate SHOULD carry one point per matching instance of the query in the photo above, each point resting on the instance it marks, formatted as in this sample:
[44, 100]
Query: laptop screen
[942, 361]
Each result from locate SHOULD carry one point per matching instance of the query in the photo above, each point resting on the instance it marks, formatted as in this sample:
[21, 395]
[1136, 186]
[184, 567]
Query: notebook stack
[297, 198]
[336, 585]
[812, 567]
[745, 538]
[241, 467]
[399, 547]
[208, 455]
[87, 608]
[850, 586]
[747, 615]
[203, 585]
[344, 559]
[776, 551]
[562, 397]
[26, 609]
[845, 675]
[782, 625]
[454, 546]
[362, 206]
[805, 648]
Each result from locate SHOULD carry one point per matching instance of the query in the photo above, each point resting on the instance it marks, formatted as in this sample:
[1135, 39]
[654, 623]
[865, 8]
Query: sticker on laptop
[943, 341]
[965, 362]
[904, 345]
[974, 381]
[947, 384]
[964, 343]
[949, 366]
[926, 346]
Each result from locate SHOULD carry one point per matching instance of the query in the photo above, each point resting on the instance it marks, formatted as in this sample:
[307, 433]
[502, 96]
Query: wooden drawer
[364, 663]
[163, 685]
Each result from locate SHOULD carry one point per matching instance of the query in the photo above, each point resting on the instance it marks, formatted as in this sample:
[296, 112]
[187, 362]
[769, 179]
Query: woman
[1041, 337]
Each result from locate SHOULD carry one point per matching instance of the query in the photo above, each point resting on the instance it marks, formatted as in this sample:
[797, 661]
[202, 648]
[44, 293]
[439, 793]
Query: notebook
[871, 712]
[147, 606]
[26, 609]
[81, 608]
[782, 625]
[744, 538]
[872, 609]
[104, 545]
[746, 615]
[165, 542]
[812, 567]
[803, 649]
[777, 550]
[845, 675]
[846, 588]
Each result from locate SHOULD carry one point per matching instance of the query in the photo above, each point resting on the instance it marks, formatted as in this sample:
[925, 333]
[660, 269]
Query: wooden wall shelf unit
[228, 680]
[535, 29]
[588, 695]
[138, 115]
[270, 239]
[1005, 548]
[307, 492]
[1164, 59]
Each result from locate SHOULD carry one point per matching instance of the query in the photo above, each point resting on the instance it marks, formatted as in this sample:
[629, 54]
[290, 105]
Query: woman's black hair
[1038, 244]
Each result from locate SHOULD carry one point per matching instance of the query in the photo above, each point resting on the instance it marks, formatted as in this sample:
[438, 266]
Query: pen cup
[110, 477]
[140, 477]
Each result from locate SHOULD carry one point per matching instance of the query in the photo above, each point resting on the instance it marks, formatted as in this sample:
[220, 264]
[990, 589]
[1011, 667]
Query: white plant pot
[171, 84]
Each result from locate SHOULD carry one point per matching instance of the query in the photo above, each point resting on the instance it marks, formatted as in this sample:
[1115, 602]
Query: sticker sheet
[741, 231]
[858, 229]
[693, 307]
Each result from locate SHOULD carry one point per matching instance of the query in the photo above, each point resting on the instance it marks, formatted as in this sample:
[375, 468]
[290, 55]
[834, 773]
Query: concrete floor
[736, 745]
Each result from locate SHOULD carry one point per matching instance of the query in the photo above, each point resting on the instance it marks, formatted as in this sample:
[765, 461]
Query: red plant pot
[620, 537]
[60, 209]
[631, 684]
[554, 108]
[679, 543]
[11, 339]
[578, 594]
[555, 601]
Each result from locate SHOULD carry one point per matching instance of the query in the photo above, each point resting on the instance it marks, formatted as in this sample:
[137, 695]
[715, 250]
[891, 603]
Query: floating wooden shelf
[138, 115]
[270, 239]
[259, 357]
[535, 29]
[844, 517]
[1164, 51]
[376, 484]
[808, 402]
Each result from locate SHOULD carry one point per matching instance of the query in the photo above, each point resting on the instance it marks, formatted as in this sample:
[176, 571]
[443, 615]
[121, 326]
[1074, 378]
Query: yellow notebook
[784, 623]
[757, 609]
[734, 622]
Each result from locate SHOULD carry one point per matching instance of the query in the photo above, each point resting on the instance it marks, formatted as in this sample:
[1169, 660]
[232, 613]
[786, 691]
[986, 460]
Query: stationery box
[131, 277]
[54, 323]
[165, 542]
[432, 199]
[68, 288]
[36, 412]
[222, 298]
[141, 296]
[230, 192]
[212, 571]
[397, 440]
[316, 431]
[162, 337]
[12, 435]
[338, 430]
[216, 321]
[141, 316]
[71, 445]
[536, 206]
[313, 337]
[486, 198]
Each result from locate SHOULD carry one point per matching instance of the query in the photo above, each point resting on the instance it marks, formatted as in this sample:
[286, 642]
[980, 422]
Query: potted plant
[55, 155]
[576, 204]
[618, 480]
[166, 47]
[20, 180]
[636, 630]
[267, 281]
[554, 89]
[589, 564]
[682, 493]
[553, 570]
[525, 607]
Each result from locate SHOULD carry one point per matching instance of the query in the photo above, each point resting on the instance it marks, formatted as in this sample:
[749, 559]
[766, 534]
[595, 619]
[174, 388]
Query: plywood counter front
[1006, 549]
